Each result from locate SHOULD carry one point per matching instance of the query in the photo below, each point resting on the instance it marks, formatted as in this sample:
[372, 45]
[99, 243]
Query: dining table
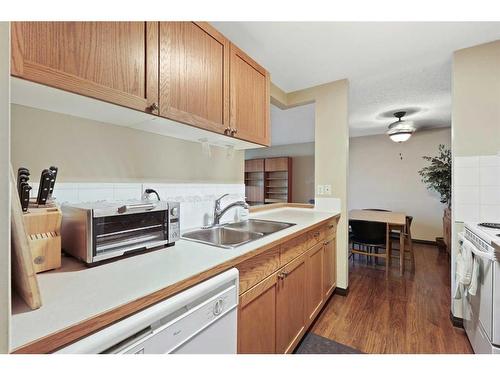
[394, 221]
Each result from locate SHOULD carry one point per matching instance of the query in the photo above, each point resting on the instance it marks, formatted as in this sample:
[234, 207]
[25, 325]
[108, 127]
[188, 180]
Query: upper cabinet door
[250, 98]
[111, 61]
[194, 75]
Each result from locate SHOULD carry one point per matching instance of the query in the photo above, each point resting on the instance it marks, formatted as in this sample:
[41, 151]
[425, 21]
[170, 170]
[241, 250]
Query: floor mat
[314, 344]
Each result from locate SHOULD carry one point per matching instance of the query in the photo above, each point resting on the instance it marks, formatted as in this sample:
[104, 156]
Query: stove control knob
[174, 211]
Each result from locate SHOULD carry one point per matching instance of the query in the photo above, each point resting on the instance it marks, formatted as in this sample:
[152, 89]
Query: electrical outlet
[328, 189]
[321, 189]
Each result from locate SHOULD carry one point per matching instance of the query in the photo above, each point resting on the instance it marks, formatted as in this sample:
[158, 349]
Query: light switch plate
[321, 189]
[328, 189]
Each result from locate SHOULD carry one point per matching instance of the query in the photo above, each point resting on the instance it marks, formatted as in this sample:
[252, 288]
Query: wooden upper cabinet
[112, 61]
[249, 98]
[194, 75]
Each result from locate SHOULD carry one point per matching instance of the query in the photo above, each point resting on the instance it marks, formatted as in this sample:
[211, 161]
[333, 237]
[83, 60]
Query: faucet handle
[222, 196]
[217, 201]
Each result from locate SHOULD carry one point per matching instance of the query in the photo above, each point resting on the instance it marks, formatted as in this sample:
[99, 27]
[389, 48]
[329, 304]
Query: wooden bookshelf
[268, 180]
[254, 181]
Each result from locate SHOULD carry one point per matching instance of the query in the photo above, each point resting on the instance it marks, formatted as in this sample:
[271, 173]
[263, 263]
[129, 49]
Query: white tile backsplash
[466, 161]
[489, 194]
[196, 200]
[476, 188]
[466, 212]
[489, 176]
[467, 194]
[489, 212]
[489, 161]
[466, 176]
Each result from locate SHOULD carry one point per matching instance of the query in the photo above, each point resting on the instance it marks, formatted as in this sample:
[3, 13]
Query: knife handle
[43, 190]
[25, 197]
[53, 180]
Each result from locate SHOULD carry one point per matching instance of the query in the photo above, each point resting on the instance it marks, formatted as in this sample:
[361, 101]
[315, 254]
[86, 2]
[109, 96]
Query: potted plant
[437, 177]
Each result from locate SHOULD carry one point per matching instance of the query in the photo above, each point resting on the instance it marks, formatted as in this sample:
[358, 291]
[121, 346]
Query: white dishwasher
[199, 320]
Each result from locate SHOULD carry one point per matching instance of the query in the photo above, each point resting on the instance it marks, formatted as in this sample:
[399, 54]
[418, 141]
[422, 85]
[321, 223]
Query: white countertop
[75, 293]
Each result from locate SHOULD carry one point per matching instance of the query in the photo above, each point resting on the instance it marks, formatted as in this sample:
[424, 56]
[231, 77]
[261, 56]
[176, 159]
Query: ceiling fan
[400, 131]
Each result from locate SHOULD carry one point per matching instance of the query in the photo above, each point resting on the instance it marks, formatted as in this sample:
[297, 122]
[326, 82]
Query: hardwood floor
[407, 314]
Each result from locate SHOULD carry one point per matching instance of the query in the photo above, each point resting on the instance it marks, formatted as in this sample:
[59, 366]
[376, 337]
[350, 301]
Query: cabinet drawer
[258, 268]
[331, 229]
[314, 237]
[292, 249]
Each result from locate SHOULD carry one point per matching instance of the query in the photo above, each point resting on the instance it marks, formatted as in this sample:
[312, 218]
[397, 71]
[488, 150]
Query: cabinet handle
[227, 131]
[316, 234]
[282, 275]
[153, 107]
[327, 242]
[234, 131]
[331, 226]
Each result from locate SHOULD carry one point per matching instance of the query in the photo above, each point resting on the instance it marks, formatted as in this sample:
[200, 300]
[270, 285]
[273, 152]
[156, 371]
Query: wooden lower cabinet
[314, 280]
[291, 305]
[276, 310]
[272, 313]
[329, 266]
[257, 318]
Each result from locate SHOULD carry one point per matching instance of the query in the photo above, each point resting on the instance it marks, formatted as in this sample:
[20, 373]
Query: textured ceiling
[390, 66]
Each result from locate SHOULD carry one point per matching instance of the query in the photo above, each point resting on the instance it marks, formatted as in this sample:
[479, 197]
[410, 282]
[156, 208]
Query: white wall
[378, 178]
[331, 152]
[4, 187]
[91, 151]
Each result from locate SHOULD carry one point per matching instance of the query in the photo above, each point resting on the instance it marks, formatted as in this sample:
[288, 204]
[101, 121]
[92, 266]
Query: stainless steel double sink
[232, 235]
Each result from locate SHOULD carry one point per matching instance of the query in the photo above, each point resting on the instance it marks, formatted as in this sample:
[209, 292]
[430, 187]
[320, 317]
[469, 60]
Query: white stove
[481, 311]
[486, 236]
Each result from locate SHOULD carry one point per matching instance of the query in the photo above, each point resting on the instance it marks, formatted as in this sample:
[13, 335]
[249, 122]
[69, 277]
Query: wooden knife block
[43, 227]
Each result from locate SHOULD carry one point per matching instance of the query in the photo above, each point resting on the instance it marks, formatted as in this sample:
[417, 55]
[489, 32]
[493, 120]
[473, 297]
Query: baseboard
[342, 291]
[457, 322]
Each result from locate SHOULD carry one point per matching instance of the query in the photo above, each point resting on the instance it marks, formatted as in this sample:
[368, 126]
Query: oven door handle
[137, 206]
[479, 253]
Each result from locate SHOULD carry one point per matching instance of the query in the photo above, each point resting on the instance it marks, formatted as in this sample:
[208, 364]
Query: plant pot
[447, 229]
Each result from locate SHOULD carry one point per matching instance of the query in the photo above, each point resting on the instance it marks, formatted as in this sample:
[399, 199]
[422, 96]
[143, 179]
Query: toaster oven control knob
[174, 211]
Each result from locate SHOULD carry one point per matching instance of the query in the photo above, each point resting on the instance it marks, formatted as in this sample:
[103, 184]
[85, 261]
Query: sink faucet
[218, 213]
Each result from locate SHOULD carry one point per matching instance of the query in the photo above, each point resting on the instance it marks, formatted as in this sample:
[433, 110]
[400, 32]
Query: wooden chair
[408, 242]
[369, 237]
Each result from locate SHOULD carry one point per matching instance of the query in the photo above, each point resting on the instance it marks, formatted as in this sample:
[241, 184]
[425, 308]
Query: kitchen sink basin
[222, 236]
[260, 226]
[235, 234]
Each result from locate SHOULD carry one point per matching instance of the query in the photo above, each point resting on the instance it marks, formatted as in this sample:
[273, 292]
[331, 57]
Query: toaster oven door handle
[137, 206]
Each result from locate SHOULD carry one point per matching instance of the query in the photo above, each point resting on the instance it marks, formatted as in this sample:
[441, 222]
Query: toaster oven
[98, 231]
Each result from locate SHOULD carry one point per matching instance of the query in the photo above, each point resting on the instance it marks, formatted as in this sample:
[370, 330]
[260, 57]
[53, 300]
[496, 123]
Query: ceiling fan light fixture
[400, 131]
[399, 137]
